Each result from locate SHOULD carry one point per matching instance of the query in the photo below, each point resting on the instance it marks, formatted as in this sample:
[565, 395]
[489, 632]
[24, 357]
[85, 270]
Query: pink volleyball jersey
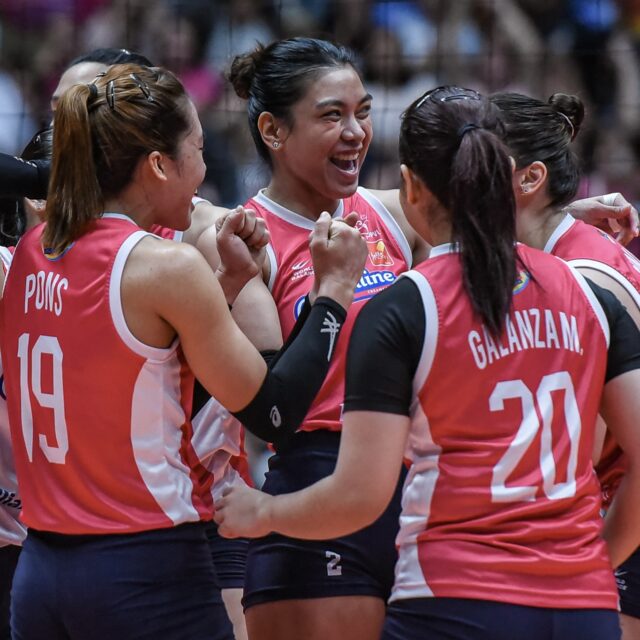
[100, 421]
[501, 501]
[292, 278]
[585, 246]
[12, 531]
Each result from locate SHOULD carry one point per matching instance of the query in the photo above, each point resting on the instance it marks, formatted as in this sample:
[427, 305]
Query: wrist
[341, 292]
[231, 285]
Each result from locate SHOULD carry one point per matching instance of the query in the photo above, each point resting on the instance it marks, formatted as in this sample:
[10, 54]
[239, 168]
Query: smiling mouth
[346, 162]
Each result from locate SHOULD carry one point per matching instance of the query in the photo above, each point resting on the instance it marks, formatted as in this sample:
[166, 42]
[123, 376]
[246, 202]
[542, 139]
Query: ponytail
[482, 207]
[74, 197]
[450, 138]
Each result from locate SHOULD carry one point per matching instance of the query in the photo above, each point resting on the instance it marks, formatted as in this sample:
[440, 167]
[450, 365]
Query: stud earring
[276, 144]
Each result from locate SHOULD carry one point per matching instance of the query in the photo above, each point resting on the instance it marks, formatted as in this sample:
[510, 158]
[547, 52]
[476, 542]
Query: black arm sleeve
[19, 178]
[384, 351]
[295, 374]
[624, 343]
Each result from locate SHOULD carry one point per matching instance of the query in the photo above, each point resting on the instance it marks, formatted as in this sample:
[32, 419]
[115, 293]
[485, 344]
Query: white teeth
[350, 157]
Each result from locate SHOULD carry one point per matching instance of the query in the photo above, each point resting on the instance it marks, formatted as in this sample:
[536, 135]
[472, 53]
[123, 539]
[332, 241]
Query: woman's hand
[243, 512]
[611, 213]
[241, 239]
[338, 252]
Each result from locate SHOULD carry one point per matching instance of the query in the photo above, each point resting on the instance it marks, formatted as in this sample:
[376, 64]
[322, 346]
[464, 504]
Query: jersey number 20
[527, 432]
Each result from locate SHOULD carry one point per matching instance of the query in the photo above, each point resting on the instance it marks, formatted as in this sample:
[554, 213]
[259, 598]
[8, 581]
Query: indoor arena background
[587, 47]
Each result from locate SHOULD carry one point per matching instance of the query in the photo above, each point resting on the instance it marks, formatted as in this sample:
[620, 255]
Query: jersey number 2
[529, 428]
[31, 383]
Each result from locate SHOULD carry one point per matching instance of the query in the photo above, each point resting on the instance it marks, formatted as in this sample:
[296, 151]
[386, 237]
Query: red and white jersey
[218, 441]
[501, 501]
[292, 278]
[100, 421]
[12, 531]
[585, 246]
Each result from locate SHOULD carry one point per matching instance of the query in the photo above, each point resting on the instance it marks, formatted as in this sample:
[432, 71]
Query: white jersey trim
[156, 439]
[273, 266]
[390, 222]
[431, 329]
[417, 495]
[155, 354]
[443, 249]
[567, 222]
[609, 271]
[599, 311]
[291, 216]
[5, 257]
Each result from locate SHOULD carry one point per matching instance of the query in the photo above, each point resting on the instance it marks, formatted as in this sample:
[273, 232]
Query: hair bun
[571, 107]
[243, 70]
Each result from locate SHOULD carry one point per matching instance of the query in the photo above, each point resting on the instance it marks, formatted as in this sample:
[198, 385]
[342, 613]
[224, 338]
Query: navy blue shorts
[281, 568]
[461, 619]
[9, 555]
[229, 558]
[628, 579]
[149, 585]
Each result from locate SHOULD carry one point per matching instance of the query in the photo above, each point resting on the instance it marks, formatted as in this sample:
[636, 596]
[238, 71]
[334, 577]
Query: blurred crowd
[539, 47]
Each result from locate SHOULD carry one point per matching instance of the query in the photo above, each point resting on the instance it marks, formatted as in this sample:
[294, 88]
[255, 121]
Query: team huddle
[447, 374]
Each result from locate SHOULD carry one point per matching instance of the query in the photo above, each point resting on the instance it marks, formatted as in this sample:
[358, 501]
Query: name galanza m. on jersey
[584, 246]
[100, 421]
[292, 274]
[501, 501]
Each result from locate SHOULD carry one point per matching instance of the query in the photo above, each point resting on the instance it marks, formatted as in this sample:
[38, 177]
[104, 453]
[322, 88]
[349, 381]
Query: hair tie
[93, 90]
[465, 128]
[571, 127]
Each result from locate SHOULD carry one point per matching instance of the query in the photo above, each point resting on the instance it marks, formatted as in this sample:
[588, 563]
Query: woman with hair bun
[104, 326]
[547, 175]
[500, 529]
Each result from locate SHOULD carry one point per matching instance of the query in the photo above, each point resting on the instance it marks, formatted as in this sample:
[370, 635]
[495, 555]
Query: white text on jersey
[526, 329]
[44, 290]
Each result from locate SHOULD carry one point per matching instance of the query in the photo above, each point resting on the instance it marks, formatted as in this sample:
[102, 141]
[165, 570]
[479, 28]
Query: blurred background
[586, 47]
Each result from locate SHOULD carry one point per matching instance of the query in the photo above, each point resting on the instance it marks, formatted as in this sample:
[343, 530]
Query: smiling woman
[309, 115]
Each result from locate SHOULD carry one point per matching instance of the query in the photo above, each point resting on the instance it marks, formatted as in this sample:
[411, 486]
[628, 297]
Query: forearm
[327, 509]
[622, 523]
[295, 375]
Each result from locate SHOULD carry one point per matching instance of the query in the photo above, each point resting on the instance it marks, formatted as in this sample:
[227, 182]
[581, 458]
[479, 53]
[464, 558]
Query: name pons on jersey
[526, 329]
[44, 291]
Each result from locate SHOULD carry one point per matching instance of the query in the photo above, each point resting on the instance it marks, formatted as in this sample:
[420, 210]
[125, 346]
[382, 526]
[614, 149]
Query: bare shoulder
[390, 198]
[159, 263]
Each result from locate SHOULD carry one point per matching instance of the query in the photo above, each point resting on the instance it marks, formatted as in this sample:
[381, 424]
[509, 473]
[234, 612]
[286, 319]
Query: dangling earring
[276, 144]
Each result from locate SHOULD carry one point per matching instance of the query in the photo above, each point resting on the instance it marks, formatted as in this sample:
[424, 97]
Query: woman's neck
[299, 198]
[534, 226]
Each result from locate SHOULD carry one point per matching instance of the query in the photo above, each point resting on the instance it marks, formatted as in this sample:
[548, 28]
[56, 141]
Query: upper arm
[390, 198]
[609, 283]
[620, 408]
[170, 287]
[203, 216]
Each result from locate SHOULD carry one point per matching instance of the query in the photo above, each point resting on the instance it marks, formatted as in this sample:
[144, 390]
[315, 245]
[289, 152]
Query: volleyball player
[492, 390]
[539, 136]
[102, 325]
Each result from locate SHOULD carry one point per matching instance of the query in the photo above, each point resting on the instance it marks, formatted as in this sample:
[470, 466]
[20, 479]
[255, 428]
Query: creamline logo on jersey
[370, 283]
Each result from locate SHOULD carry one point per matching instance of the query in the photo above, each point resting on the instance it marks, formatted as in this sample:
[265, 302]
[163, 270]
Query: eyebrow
[333, 102]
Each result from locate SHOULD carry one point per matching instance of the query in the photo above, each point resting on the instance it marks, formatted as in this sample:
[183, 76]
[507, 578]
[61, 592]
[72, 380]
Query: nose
[353, 130]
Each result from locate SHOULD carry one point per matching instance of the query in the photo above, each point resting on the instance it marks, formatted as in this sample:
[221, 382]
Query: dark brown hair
[450, 138]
